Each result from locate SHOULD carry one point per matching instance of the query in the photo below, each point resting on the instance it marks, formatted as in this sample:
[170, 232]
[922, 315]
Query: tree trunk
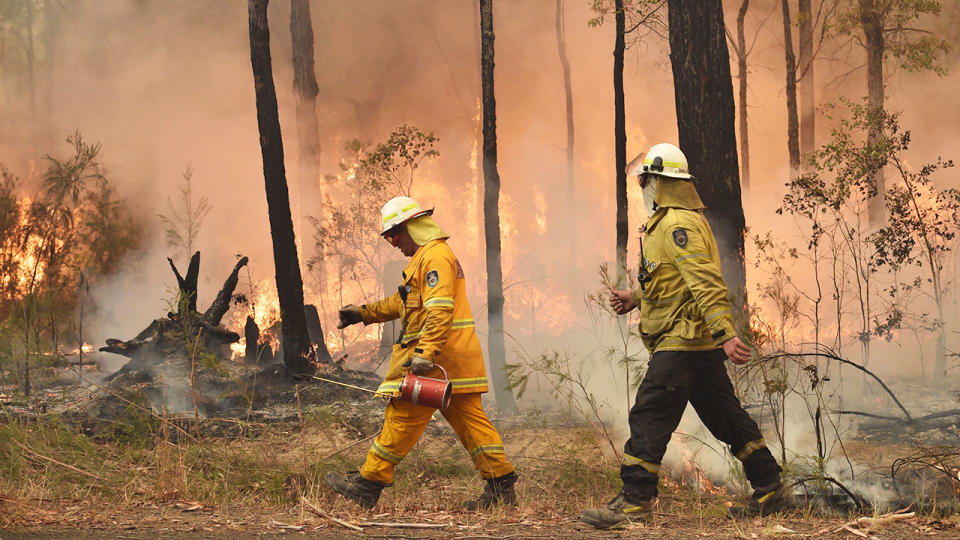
[871, 21]
[496, 348]
[568, 100]
[742, 95]
[221, 303]
[308, 137]
[251, 336]
[390, 277]
[315, 333]
[308, 133]
[808, 105]
[31, 61]
[293, 325]
[51, 12]
[187, 285]
[793, 128]
[620, 144]
[703, 92]
[476, 153]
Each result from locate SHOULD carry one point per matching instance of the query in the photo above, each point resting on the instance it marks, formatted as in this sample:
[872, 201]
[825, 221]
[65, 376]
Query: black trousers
[673, 378]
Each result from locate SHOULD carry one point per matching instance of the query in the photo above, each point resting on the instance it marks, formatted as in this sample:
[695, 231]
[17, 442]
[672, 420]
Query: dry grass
[144, 458]
[144, 474]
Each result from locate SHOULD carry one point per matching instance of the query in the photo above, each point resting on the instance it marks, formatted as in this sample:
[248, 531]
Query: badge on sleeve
[433, 278]
[680, 237]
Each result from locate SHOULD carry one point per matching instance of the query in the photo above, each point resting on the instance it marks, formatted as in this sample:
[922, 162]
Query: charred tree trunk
[808, 105]
[871, 20]
[496, 348]
[315, 331]
[251, 337]
[308, 137]
[477, 152]
[293, 325]
[221, 303]
[308, 132]
[742, 95]
[704, 96]
[187, 285]
[793, 128]
[620, 142]
[568, 102]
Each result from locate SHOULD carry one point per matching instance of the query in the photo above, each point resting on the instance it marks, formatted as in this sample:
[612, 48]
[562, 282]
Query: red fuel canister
[426, 391]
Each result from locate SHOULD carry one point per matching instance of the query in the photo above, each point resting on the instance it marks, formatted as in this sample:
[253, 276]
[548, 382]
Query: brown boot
[351, 485]
[619, 510]
[497, 491]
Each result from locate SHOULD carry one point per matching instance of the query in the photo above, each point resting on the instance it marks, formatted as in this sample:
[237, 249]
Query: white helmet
[400, 210]
[665, 159]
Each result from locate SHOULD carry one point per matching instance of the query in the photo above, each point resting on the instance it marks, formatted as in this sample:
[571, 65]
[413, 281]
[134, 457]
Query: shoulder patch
[680, 237]
[459, 270]
[433, 278]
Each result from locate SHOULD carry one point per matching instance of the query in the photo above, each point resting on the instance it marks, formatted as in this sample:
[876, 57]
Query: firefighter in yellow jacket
[686, 323]
[437, 329]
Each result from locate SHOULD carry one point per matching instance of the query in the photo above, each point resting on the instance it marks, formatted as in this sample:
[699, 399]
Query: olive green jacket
[682, 298]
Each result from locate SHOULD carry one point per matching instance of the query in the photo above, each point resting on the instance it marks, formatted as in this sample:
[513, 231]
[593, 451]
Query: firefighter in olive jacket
[437, 329]
[686, 323]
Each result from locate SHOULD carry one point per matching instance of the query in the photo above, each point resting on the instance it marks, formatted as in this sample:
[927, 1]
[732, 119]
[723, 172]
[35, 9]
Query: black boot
[619, 510]
[356, 488]
[497, 491]
[766, 500]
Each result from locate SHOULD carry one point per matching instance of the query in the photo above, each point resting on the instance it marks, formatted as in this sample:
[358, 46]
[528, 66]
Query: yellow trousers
[404, 423]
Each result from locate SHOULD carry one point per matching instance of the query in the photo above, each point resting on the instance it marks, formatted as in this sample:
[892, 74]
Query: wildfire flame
[29, 270]
[264, 307]
[692, 474]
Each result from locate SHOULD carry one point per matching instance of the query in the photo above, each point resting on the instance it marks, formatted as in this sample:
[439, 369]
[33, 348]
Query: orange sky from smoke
[160, 84]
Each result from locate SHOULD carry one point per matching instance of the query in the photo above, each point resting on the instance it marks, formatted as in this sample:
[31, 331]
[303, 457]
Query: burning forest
[466, 275]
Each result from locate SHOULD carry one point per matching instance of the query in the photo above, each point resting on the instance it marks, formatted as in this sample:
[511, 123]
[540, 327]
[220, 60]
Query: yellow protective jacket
[436, 322]
[682, 298]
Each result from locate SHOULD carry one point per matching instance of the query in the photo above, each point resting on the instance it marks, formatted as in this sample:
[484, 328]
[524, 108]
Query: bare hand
[621, 301]
[736, 351]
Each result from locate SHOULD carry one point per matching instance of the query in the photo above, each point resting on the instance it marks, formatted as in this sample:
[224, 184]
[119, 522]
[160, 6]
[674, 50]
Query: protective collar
[674, 193]
[424, 229]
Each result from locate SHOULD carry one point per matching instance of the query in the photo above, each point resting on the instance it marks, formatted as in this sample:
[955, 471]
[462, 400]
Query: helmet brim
[422, 213]
[680, 176]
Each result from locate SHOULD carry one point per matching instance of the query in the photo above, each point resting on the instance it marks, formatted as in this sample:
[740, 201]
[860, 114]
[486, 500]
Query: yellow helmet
[400, 210]
[665, 159]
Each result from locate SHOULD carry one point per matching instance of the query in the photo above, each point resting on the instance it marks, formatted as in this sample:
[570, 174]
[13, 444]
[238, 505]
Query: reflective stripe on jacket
[436, 322]
[684, 304]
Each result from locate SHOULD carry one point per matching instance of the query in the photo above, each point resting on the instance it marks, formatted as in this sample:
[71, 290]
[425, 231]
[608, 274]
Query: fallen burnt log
[168, 338]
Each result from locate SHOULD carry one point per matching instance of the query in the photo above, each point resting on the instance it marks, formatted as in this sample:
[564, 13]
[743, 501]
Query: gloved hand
[420, 365]
[349, 314]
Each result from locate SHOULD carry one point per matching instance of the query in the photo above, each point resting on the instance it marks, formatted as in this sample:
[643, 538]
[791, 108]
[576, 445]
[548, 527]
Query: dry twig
[51, 460]
[854, 531]
[868, 523]
[316, 510]
[405, 525]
